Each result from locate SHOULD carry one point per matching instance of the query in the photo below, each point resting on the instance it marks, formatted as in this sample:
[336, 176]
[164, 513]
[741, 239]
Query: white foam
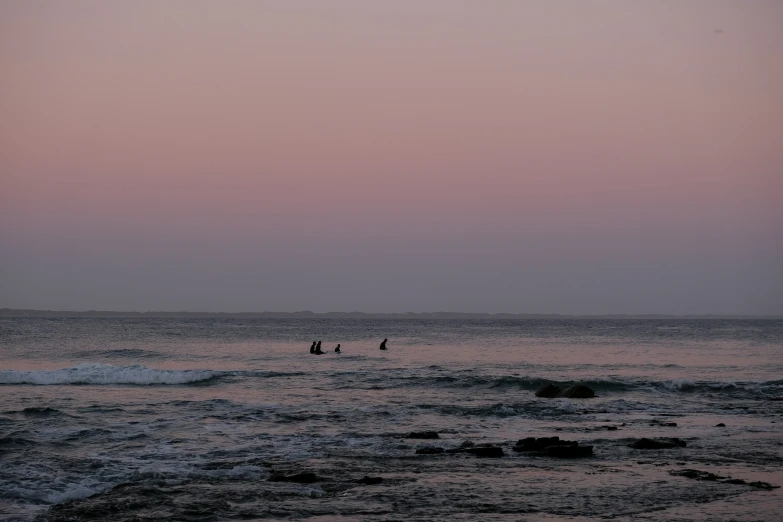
[246, 472]
[502, 409]
[98, 373]
[76, 491]
[680, 384]
[52, 492]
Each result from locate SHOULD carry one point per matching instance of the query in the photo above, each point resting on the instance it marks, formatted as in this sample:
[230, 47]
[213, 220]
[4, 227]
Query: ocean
[233, 419]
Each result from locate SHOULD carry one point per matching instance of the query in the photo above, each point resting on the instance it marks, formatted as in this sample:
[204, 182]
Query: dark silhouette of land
[19, 312]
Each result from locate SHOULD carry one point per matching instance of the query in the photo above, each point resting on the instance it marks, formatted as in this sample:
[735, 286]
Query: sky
[552, 156]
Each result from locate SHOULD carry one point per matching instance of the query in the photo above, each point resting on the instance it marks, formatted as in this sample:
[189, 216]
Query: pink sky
[563, 156]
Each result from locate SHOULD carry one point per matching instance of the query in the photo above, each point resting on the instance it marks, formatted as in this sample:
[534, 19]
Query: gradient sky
[581, 157]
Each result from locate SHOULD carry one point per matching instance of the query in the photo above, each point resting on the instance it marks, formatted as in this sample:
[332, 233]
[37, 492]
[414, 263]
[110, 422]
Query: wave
[87, 433]
[493, 382]
[98, 373]
[108, 374]
[531, 409]
[748, 389]
[605, 385]
[14, 440]
[630, 384]
[535, 383]
[130, 353]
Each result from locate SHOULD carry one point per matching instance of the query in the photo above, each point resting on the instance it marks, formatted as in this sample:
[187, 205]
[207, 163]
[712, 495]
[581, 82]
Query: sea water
[189, 418]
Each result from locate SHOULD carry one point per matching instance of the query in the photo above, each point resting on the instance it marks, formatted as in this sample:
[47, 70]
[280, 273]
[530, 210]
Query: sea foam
[98, 373]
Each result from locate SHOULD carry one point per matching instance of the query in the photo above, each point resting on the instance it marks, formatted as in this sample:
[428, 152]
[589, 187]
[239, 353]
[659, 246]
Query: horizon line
[22, 312]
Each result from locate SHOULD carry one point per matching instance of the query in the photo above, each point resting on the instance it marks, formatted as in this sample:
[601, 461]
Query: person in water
[318, 349]
[337, 349]
[383, 344]
[312, 347]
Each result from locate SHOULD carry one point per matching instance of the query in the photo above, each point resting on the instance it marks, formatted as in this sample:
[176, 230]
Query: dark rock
[539, 444]
[480, 450]
[696, 474]
[548, 391]
[553, 447]
[369, 481]
[720, 425]
[712, 477]
[577, 392]
[658, 443]
[429, 450]
[485, 451]
[40, 411]
[528, 441]
[762, 485]
[299, 478]
[422, 435]
[462, 448]
[569, 452]
[690, 473]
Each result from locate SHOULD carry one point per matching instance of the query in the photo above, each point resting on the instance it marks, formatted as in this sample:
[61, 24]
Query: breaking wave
[98, 373]
[107, 374]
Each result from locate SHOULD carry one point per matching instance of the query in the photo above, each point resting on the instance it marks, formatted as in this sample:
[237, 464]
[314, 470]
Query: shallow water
[189, 418]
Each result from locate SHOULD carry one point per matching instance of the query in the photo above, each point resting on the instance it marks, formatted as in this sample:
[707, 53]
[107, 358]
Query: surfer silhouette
[337, 349]
[318, 348]
[312, 347]
[383, 344]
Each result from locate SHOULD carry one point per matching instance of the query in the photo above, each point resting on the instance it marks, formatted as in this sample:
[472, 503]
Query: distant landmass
[306, 314]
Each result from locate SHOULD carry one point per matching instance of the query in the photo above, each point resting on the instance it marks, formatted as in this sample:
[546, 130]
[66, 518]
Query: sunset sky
[575, 157]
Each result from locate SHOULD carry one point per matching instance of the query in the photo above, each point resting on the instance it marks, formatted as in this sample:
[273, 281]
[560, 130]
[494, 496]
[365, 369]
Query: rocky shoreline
[367, 487]
[294, 490]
